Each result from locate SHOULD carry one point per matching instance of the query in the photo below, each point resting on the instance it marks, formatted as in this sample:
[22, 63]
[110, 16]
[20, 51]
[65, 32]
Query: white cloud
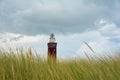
[104, 41]
[19, 38]
[13, 40]
[104, 44]
[108, 28]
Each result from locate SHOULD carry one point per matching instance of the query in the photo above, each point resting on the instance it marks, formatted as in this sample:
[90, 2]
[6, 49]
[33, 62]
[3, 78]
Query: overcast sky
[29, 23]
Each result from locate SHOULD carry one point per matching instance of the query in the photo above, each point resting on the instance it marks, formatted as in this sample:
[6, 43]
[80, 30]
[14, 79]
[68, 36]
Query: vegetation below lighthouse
[20, 65]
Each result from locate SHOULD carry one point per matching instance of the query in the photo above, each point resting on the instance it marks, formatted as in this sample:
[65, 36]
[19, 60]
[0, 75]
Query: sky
[28, 23]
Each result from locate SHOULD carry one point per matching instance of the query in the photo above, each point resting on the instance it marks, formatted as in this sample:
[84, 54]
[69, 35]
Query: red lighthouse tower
[52, 47]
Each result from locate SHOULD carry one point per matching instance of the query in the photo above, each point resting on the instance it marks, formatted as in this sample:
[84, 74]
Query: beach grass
[20, 65]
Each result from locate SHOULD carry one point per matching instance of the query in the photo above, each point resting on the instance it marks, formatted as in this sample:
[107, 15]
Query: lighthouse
[52, 47]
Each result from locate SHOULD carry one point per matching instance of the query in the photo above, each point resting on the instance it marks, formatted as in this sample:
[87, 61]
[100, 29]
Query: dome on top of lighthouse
[52, 38]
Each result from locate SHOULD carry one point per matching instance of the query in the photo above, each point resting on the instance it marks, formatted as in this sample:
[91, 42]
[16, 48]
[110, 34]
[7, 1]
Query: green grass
[20, 65]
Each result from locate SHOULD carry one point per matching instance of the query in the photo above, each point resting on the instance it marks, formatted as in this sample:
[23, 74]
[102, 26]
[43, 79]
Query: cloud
[43, 16]
[105, 40]
[106, 44]
[109, 29]
[19, 38]
[13, 41]
[30, 22]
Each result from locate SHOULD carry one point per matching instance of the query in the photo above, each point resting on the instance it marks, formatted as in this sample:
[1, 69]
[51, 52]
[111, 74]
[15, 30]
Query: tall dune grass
[20, 65]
